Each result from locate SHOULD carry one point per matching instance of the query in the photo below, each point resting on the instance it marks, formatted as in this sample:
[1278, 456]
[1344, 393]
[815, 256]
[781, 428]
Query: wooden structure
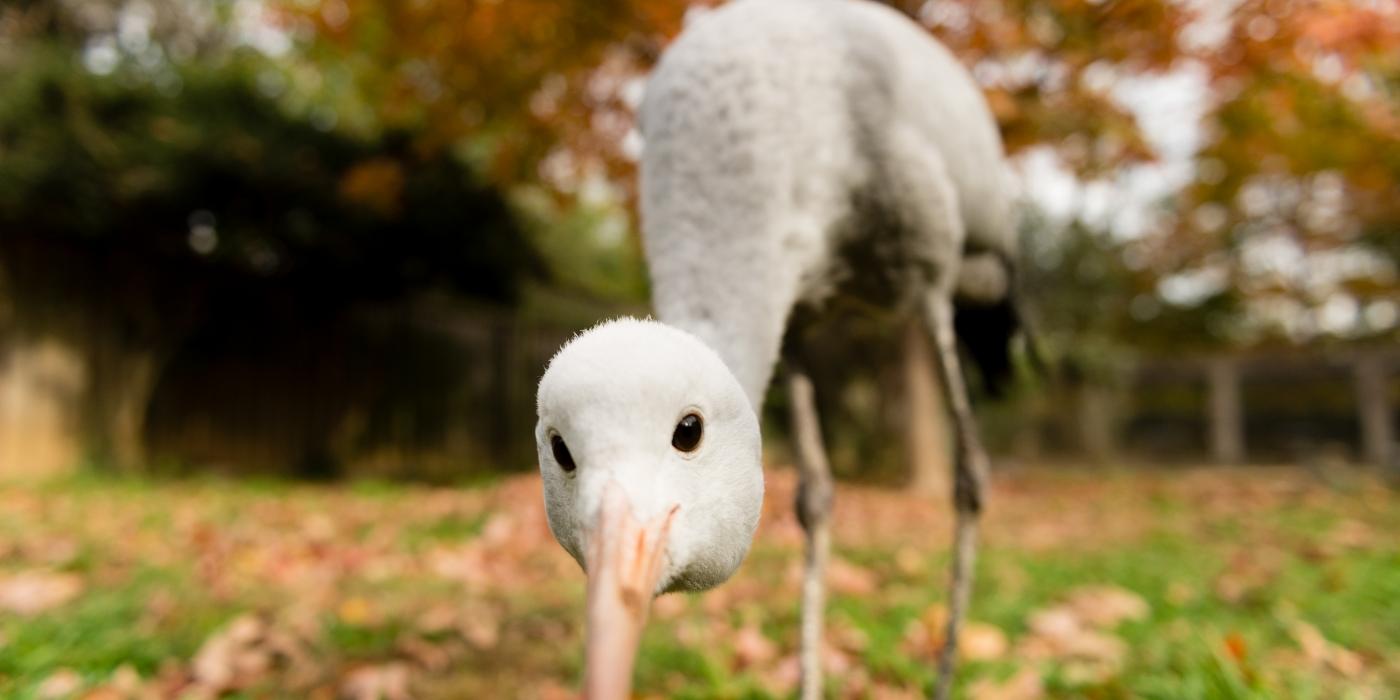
[1229, 382]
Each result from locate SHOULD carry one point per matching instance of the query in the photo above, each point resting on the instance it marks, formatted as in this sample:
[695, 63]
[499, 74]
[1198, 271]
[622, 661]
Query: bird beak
[625, 559]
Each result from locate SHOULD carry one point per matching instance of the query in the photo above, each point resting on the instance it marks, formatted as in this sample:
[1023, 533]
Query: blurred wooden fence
[424, 393]
[1280, 407]
[441, 392]
[405, 391]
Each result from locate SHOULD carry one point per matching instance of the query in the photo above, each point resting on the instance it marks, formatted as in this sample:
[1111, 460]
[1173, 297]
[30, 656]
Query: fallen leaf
[909, 561]
[668, 607]
[104, 692]
[126, 679]
[554, 690]
[60, 684]
[32, 592]
[1352, 534]
[1024, 685]
[1179, 593]
[437, 619]
[481, 627]
[752, 648]
[854, 683]
[382, 682]
[782, 678]
[1107, 606]
[979, 641]
[1322, 652]
[1248, 572]
[232, 658]
[884, 691]
[1085, 654]
[848, 579]
[1236, 647]
[847, 637]
[1054, 623]
[428, 655]
[356, 611]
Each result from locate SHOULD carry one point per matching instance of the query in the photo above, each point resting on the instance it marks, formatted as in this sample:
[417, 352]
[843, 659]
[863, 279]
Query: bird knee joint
[967, 494]
[814, 498]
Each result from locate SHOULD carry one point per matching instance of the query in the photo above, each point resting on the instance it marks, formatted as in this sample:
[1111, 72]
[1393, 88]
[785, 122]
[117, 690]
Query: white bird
[794, 150]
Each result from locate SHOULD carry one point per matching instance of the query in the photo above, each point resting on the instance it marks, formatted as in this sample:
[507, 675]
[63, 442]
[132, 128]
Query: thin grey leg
[814, 493]
[969, 479]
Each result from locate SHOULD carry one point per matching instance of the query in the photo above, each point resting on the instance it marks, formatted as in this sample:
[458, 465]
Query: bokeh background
[277, 278]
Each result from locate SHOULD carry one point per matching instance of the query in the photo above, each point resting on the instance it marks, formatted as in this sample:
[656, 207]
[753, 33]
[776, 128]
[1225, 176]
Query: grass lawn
[1261, 583]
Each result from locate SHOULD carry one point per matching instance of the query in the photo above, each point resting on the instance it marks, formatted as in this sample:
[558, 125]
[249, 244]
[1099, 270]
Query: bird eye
[688, 433]
[561, 453]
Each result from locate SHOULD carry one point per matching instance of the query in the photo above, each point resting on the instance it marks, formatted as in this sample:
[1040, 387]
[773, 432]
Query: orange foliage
[547, 89]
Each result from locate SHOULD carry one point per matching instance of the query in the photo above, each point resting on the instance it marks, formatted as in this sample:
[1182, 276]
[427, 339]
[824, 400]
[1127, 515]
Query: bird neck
[748, 345]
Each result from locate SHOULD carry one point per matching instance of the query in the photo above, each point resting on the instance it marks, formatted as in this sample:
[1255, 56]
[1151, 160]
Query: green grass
[465, 589]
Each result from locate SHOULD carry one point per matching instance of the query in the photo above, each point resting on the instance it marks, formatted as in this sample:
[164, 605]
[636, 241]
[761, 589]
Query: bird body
[796, 148]
[793, 150]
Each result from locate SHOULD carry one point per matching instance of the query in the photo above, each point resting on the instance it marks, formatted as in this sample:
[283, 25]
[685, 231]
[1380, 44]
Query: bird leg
[969, 479]
[814, 493]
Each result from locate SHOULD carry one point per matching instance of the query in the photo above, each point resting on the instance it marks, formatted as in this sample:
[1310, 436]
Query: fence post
[1097, 431]
[1373, 410]
[926, 440]
[1226, 420]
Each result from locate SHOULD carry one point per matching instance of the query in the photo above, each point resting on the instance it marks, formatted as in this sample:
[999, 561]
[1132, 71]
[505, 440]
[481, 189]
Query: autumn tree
[1298, 161]
[1296, 202]
[141, 200]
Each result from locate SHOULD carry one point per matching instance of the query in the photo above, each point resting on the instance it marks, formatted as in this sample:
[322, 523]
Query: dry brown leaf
[854, 683]
[32, 592]
[1352, 534]
[692, 633]
[437, 619]
[847, 637]
[980, 641]
[104, 692]
[1236, 647]
[430, 656]
[126, 679]
[1025, 685]
[232, 657]
[752, 648]
[1054, 623]
[669, 607]
[1085, 654]
[381, 682]
[935, 622]
[1322, 652]
[883, 691]
[781, 678]
[848, 579]
[977, 641]
[1248, 571]
[62, 683]
[923, 636]
[357, 611]
[554, 690]
[1107, 606]
[59, 552]
[1180, 593]
[909, 561]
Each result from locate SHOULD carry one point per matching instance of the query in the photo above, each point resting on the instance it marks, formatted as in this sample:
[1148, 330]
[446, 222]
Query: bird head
[651, 460]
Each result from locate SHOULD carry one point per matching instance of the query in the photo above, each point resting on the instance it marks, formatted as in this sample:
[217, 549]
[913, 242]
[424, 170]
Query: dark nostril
[561, 453]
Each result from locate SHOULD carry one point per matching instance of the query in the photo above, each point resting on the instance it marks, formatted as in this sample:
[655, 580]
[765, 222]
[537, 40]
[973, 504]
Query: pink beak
[625, 559]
